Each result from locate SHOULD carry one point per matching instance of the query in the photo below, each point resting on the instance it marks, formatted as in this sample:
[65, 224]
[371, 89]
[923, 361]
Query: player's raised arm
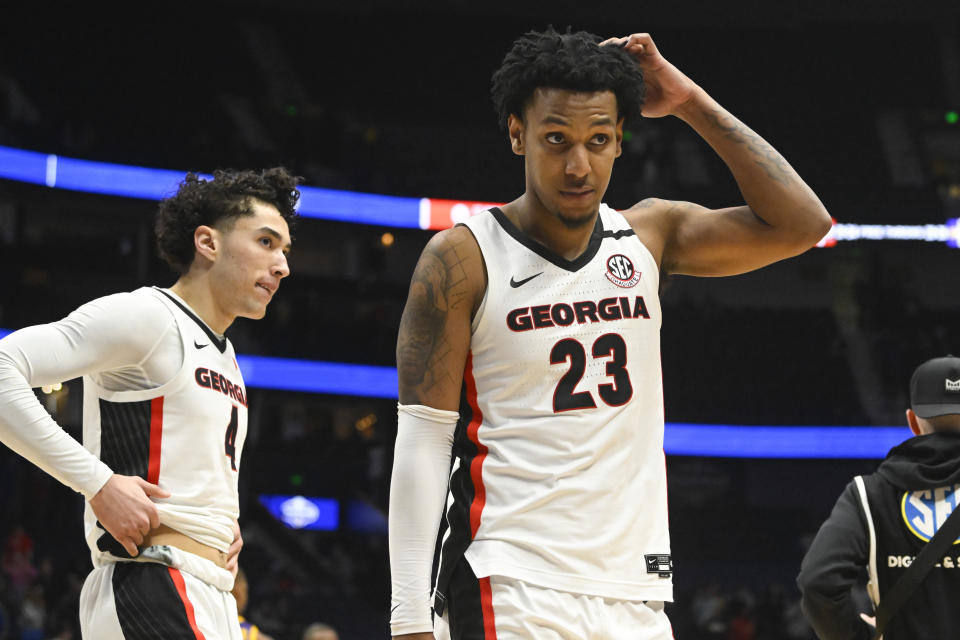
[782, 216]
[446, 289]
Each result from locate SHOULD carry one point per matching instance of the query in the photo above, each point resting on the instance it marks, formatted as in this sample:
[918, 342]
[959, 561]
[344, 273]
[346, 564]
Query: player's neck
[529, 215]
[201, 298]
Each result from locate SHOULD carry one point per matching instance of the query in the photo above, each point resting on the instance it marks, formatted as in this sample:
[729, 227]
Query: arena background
[392, 98]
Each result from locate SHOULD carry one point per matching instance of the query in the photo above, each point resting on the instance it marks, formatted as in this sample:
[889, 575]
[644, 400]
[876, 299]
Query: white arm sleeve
[418, 488]
[112, 334]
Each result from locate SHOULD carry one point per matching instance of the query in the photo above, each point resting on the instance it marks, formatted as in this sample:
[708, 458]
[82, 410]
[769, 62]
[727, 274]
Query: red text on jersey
[563, 314]
[210, 379]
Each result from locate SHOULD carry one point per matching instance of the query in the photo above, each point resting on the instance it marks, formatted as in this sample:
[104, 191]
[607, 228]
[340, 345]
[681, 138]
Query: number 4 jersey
[559, 476]
[185, 435]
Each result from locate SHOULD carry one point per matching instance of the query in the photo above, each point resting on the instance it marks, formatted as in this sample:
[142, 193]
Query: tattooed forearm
[768, 158]
[423, 346]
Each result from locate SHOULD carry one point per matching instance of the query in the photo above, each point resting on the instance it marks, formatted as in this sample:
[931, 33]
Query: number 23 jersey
[185, 435]
[559, 475]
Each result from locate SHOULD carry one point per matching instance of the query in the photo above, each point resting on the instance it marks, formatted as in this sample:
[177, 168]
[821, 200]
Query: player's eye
[554, 138]
[266, 241]
[601, 138]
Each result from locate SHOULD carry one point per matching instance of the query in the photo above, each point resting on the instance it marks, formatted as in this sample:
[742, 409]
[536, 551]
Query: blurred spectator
[741, 625]
[17, 561]
[33, 614]
[707, 605]
[241, 592]
[320, 631]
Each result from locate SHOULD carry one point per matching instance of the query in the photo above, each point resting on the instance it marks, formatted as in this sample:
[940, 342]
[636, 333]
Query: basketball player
[546, 312]
[165, 411]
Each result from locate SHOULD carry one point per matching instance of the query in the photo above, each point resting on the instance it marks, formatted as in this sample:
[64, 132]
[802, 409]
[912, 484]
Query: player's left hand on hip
[233, 553]
[667, 87]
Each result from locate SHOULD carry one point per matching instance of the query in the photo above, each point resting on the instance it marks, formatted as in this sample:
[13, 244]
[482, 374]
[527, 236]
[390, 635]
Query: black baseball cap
[935, 388]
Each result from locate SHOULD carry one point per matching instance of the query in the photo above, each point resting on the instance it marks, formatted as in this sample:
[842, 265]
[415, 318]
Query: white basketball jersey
[559, 475]
[185, 436]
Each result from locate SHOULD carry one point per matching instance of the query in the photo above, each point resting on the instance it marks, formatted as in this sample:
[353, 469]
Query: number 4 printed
[230, 440]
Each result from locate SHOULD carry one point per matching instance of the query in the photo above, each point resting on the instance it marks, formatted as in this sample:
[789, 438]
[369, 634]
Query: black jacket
[914, 488]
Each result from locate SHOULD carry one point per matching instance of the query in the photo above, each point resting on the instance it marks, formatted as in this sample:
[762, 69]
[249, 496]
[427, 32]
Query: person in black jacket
[883, 520]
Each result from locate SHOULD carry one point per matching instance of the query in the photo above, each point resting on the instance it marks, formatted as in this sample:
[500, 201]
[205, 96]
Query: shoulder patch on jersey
[620, 271]
[925, 511]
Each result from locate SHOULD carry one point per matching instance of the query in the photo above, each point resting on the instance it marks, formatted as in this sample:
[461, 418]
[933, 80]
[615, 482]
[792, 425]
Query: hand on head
[667, 88]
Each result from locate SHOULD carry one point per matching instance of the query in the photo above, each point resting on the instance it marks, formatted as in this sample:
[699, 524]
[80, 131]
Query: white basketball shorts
[151, 601]
[499, 608]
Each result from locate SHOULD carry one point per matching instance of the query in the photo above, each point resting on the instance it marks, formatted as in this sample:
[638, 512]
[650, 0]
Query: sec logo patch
[620, 271]
[924, 512]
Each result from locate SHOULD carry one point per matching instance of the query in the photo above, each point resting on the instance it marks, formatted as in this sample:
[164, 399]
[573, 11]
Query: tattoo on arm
[684, 206]
[668, 205]
[769, 159]
[437, 287]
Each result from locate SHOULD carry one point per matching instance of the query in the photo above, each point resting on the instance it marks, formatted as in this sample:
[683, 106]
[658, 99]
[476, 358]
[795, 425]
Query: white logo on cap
[953, 385]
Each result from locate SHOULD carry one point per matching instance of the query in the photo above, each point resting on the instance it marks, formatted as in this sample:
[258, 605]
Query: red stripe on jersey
[156, 436]
[666, 477]
[476, 465]
[486, 606]
[187, 605]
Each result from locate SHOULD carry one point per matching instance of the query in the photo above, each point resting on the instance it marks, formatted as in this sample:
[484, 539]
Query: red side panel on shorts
[187, 605]
[476, 465]
[156, 436]
[486, 605]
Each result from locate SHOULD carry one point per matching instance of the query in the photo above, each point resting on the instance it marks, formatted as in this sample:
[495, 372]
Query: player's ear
[515, 129]
[913, 422]
[206, 241]
[619, 137]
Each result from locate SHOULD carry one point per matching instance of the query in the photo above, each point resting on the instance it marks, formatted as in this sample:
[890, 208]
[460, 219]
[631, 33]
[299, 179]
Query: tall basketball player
[165, 411]
[530, 345]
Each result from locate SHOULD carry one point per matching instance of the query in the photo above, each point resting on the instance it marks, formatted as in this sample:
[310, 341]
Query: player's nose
[282, 268]
[577, 162]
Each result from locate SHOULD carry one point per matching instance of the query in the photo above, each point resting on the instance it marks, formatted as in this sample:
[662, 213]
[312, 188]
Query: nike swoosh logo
[199, 346]
[520, 283]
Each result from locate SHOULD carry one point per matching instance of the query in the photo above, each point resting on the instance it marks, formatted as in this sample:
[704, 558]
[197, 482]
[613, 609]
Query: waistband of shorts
[165, 536]
[198, 567]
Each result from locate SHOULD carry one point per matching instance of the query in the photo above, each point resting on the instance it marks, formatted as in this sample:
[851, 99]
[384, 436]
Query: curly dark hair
[571, 61]
[214, 202]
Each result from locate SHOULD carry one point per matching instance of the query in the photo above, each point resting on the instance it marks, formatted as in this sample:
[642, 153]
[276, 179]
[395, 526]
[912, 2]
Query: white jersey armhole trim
[174, 382]
[653, 261]
[160, 338]
[486, 289]
[173, 327]
[873, 588]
